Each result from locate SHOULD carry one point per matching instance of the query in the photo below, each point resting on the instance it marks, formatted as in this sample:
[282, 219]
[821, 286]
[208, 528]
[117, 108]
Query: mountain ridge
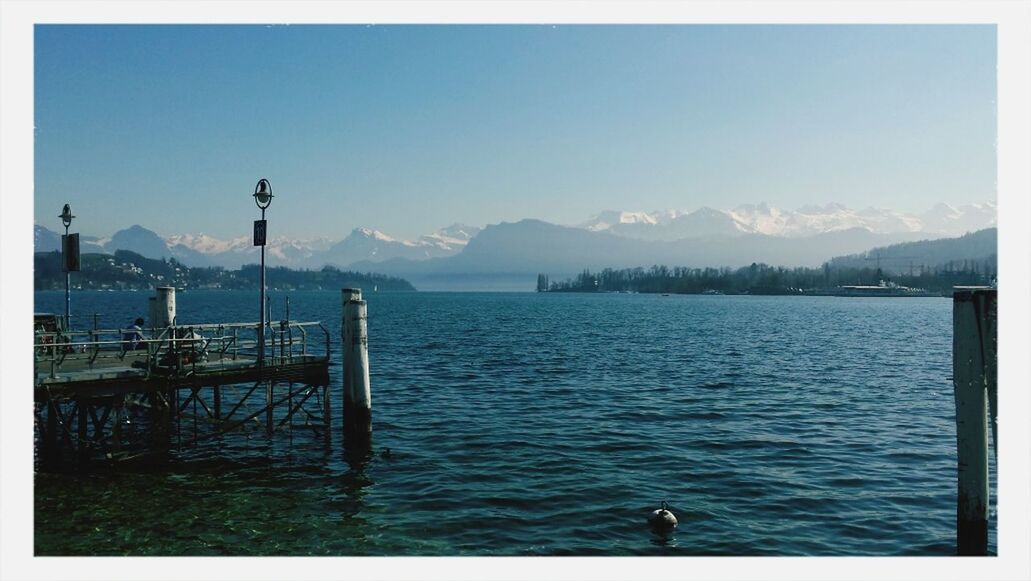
[810, 234]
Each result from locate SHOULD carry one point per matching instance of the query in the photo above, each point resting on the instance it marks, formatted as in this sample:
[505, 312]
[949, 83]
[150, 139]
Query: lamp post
[66, 217]
[263, 198]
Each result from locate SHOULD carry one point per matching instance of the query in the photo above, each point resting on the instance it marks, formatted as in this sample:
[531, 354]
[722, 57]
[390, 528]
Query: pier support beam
[974, 377]
[327, 416]
[268, 407]
[50, 439]
[82, 427]
[355, 347]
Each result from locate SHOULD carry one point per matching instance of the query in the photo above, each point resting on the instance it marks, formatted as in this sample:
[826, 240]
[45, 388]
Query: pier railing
[179, 347]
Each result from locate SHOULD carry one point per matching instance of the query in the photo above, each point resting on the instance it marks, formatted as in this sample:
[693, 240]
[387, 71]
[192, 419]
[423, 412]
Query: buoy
[662, 519]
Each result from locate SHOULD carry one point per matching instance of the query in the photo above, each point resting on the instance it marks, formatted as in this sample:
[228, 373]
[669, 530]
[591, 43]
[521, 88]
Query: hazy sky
[410, 128]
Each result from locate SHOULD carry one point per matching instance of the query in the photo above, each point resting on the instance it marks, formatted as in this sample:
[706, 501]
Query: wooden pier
[119, 394]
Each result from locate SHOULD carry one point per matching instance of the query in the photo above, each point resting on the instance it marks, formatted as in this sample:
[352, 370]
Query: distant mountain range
[362, 244]
[469, 257]
[517, 250]
[941, 220]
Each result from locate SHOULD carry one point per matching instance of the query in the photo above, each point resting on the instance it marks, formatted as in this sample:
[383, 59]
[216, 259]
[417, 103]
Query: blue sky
[410, 128]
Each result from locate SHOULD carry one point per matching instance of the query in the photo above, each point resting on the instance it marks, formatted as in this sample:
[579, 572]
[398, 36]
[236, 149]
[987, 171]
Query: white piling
[355, 347]
[973, 359]
[350, 294]
[165, 307]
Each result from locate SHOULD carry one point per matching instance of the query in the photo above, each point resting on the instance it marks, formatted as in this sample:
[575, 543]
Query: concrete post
[973, 354]
[165, 307]
[355, 347]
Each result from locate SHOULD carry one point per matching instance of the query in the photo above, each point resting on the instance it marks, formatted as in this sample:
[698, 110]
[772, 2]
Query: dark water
[529, 424]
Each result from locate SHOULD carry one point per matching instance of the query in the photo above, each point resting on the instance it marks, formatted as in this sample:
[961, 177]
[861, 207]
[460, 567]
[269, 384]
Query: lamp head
[263, 193]
[66, 215]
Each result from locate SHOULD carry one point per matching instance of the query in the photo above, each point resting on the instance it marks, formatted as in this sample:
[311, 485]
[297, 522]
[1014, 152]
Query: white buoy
[662, 519]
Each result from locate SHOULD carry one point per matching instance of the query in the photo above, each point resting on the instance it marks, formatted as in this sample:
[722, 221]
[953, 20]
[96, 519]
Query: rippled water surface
[543, 424]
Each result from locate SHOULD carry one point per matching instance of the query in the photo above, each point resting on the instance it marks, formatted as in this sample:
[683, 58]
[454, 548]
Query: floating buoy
[662, 519]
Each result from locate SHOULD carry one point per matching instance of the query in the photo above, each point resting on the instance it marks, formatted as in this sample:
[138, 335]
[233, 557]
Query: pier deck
[78, 377]
[83, 379]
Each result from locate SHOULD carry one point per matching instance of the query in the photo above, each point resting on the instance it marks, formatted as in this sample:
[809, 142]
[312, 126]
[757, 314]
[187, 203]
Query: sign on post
[259, 232]
[70, 248]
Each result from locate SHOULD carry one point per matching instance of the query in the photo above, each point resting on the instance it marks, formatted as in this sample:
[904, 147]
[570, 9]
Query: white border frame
[1013, 20]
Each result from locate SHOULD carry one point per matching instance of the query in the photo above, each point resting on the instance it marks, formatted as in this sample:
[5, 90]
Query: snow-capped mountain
[362, 244]
[966, 218]
[811, 220]
[612, 218]
[206, 250]
[205, 244]
[453, 237]
[942, 220]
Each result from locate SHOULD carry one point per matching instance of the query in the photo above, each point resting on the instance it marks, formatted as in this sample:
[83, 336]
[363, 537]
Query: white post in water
[355, 347]
[165, 306]
[974, 379]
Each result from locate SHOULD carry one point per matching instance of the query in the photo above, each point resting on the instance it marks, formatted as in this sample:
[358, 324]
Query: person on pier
[132, 339]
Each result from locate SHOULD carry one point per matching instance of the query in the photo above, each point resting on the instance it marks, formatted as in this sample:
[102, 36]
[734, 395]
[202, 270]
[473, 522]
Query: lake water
[552, 424]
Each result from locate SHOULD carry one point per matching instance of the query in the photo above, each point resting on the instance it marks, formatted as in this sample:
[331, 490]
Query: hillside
[128, 270]
[975, 250]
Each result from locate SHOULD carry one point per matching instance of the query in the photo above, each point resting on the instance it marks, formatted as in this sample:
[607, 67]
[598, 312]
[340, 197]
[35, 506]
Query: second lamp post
[263, 198]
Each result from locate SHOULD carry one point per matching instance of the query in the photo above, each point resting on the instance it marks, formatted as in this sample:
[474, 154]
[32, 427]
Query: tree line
[759, 278]
[128, 270]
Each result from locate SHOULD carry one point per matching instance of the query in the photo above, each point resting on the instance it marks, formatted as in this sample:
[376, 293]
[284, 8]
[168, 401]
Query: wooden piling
[81, 426]
[355, 347]
[326, 415]
[268, 407]
[991, 369]
[216, 396]
[973, 352]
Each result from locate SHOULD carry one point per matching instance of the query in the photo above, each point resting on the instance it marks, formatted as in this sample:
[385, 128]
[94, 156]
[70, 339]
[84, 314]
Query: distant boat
[883, 289]
[665, 294]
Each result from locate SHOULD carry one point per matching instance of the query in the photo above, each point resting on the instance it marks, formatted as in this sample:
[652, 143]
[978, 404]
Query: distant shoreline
[814, 293]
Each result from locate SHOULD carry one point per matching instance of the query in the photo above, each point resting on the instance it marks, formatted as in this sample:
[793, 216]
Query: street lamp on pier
[66, 217]
[263, 198]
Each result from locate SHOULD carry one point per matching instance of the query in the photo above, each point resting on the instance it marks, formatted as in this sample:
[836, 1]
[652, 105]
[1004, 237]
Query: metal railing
[178, 347]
